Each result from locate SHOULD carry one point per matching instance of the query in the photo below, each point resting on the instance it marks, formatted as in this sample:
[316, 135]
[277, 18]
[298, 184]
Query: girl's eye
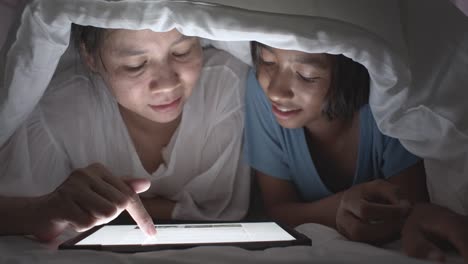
[308, 79]
[266, 62]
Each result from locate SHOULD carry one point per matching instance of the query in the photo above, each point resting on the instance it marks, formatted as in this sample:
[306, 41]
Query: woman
[318, 154]
[147, 107]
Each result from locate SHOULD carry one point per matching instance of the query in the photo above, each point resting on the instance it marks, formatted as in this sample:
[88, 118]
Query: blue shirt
[283, 153]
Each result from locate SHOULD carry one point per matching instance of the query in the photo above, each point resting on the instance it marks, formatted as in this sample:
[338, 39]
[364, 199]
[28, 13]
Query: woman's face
[296, 84]
[150, 73]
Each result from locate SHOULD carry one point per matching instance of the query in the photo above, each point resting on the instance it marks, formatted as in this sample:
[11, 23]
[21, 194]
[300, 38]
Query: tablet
[129, 238]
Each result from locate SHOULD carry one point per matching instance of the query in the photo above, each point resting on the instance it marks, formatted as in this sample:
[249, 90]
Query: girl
[318, 154]
[154, 107]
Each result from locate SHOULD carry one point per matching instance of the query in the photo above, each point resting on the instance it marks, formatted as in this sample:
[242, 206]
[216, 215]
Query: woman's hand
[372, 212]
[89, 197]
[429, 224]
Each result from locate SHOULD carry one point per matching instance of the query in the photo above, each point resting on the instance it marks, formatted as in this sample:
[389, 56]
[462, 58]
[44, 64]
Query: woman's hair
[90, 36]
[349, 89]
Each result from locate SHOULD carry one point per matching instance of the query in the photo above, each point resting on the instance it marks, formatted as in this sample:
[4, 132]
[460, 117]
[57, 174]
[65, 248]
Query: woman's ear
[88, 59]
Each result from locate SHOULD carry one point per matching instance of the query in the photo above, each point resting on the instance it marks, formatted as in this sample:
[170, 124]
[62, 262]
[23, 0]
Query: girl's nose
[279, 87]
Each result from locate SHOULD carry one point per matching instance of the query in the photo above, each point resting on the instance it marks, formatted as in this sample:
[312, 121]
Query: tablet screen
[189, 234]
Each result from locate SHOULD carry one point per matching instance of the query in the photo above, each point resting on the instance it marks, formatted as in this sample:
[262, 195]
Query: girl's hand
[89, 197]
[372, 212]
[429, 224]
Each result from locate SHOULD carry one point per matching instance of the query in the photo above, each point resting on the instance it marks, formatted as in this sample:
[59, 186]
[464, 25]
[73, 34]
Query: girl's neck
[325, 131]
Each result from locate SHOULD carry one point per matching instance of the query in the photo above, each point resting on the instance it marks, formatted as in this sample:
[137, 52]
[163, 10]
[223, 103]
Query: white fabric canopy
[416, 53]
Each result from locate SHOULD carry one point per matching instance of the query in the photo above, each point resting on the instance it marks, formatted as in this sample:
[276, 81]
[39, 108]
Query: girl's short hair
[349, 89]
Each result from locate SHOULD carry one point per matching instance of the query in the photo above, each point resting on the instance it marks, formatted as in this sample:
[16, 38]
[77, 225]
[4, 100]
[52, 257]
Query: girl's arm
[368, 212]
[283, 203]
[428, 225]
[375, 211]
[412, 183]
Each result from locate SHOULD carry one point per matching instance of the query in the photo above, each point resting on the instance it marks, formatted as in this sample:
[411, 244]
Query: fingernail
[407, 207]
[436, 256]
[375, 221]
[151, 232]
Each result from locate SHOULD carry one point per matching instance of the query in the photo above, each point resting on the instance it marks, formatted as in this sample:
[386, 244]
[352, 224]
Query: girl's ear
[88, 58]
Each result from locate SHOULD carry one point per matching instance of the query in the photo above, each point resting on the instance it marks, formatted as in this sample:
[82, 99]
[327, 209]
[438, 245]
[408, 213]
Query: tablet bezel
[300, 239]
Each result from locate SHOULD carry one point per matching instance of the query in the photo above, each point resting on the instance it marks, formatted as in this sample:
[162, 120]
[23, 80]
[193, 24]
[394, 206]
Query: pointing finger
[138, 212]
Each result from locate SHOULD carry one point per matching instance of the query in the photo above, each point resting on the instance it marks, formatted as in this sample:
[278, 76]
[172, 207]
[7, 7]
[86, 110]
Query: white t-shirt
[77, 123]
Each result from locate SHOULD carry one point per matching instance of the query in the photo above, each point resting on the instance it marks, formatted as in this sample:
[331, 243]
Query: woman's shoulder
[224, 74]
[222, 61]
[71, 99]
[221, 86]
[66, 92]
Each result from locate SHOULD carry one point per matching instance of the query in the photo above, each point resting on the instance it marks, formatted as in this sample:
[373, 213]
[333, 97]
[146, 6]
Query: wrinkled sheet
[327, 247]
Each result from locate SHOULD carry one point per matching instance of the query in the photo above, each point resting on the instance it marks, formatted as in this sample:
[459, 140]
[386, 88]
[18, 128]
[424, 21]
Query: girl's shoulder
[370, 129]
[367, 118]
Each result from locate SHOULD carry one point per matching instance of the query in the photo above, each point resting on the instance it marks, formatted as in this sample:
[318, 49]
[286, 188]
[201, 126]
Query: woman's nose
[164, 79]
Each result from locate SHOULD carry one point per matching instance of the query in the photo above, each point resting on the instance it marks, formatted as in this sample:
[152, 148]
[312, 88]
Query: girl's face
[296, 84]
[150, 73]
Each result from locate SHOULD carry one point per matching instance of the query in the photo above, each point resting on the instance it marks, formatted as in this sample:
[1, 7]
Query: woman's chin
[164, 119]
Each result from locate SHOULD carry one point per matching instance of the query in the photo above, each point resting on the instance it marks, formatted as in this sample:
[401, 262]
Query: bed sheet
[328, 246]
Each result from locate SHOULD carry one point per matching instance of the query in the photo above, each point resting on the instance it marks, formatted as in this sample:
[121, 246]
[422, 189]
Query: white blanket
[416, 52]
[327, 247]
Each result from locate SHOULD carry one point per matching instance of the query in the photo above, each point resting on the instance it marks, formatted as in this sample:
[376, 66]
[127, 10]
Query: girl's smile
[285, 112]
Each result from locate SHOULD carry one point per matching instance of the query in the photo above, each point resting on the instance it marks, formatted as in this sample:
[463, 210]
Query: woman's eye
[182, 54]
[135, 68]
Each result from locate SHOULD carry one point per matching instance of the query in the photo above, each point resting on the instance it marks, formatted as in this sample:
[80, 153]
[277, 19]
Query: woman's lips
[163, 108]
[284, 113]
